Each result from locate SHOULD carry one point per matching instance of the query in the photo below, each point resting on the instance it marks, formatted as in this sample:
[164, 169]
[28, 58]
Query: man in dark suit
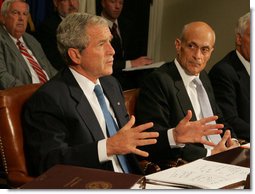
[169, 92]
[15, 68]
[127, 52]
[64, 122]
[230, 79]
[47, 31]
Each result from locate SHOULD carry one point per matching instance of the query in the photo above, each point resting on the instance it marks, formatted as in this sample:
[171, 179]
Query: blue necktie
[111, 125]
[205, 107]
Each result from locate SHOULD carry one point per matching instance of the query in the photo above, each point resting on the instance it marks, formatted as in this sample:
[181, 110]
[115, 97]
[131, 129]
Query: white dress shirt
[245, 63]
[88, 89]
[35, 78]
[192, 93]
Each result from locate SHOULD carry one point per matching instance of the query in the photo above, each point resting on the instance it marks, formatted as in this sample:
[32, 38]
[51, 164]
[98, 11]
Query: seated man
[124, 42]
[230, 79]
[175, 88]
[47, 31]
[22, 60]
[79, 117]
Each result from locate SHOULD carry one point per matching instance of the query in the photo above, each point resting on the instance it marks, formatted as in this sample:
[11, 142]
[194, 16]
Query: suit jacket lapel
[181, 93]
[245, 80]
[110, 93]
[87, 114]
[34, 50]
[15, 50]
[242, 73]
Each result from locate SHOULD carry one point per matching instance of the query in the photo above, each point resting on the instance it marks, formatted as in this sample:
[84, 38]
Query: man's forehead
[15, 4]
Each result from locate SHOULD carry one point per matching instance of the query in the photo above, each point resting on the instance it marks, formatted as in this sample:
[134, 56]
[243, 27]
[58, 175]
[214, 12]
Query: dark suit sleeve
[157, 103]
[47, 38]
[226, 86]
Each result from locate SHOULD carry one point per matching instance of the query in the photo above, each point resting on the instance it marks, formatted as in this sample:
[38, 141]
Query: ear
[75, 55]
[102, 3]
[238, 39]
[55, 3]
[212, 49]
[178, 45]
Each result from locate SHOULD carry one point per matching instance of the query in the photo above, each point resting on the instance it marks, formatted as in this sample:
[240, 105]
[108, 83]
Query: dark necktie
[116, 42]
[37, 68]
[205, 107]
[115, 31]
[111, 125]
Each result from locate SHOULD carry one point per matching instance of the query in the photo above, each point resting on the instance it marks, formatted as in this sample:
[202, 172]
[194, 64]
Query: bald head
[194, 47]
[198, 28]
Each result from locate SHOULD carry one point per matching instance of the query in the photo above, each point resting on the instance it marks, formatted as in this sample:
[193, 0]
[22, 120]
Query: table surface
[237, 156]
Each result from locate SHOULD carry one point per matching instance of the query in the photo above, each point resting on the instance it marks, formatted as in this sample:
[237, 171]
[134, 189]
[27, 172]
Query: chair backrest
[11, 133]
[130, 100]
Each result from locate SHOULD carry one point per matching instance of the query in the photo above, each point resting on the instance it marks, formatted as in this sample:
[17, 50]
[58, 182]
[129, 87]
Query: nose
[118, 5]
[198, 53]
[21, 16]
[72, 2]
[110, 49]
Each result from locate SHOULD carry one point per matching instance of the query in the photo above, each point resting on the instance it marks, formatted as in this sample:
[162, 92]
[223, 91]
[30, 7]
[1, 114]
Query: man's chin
[108, 72]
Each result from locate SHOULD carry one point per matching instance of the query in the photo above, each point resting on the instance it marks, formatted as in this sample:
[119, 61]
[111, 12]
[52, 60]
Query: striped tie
[37, 68]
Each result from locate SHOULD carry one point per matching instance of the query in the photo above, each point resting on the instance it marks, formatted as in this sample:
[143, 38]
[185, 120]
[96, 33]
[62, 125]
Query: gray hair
[242, 24]
[7, 3]
[71, 32]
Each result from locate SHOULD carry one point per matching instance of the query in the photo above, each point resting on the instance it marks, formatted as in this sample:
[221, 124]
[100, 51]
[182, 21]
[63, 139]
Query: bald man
[168, 93]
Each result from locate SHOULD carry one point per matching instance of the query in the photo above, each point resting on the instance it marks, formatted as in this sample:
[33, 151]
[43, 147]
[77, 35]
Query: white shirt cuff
[171, 139]
[128, 64]
[102, 152]
[209, 152]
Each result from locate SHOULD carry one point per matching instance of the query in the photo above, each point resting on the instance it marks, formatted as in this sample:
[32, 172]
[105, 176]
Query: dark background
[135, 10]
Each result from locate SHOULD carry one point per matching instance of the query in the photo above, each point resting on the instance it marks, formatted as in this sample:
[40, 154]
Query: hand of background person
[225, 144]
[141, 61]
[127, 139]
[193, 131]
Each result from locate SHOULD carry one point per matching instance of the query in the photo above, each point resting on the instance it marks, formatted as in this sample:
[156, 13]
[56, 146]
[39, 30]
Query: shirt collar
[110, 23]
[86, 85]
[13, 38]
[187, 79]
[245, 63]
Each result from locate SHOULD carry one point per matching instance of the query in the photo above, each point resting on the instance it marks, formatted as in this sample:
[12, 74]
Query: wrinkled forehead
[201, 38]
[19, 5]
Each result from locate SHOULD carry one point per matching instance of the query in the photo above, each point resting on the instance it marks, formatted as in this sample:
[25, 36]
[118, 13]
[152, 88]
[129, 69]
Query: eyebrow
[205, 46]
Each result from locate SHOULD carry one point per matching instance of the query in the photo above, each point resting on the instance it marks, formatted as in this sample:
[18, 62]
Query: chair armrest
[149, 167]
[18, 179]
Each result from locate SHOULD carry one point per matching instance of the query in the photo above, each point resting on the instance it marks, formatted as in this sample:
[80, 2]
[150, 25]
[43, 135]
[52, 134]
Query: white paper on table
[150, 66]
[162, 187]
[247, 146]
[203, 174]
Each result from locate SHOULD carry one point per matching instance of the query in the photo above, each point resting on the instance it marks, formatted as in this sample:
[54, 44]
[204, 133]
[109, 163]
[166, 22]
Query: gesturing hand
[226, 143]
[127, 139]
[192, 131]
